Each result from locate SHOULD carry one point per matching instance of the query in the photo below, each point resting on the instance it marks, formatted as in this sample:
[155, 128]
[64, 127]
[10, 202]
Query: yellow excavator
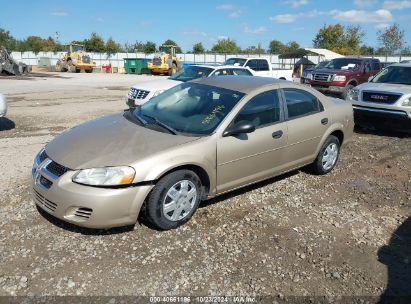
[166, 61]
[75, 60]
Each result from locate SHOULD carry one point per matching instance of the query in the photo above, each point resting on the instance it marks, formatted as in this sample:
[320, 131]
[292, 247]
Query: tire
[78, 70]
[88, 71]
[320, 166]
[347, 89]
[179, 183]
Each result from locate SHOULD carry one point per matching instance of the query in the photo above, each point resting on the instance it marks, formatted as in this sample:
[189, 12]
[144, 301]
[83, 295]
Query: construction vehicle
[11, 67]
[166, 61]
[75, 60]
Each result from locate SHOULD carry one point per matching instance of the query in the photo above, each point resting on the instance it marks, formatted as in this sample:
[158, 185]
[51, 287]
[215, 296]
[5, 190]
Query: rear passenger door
[307, 121]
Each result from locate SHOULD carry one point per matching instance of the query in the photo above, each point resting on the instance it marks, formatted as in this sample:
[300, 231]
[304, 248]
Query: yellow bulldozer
[166, 61]
[75, 60]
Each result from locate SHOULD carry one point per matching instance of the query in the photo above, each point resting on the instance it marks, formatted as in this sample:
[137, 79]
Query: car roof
[243, 84]
[406, 64]
[218, 67]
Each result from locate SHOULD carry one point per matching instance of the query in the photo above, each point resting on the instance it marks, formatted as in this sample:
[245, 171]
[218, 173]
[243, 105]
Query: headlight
[353, 94]
[407, 102]
[339, 78]
[107, 176]
[158, 93]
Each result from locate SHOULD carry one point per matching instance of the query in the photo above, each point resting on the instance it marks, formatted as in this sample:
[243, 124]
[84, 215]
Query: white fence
[117, 60]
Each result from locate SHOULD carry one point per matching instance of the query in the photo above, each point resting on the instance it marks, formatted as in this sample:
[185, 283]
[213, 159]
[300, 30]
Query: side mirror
[240, 127]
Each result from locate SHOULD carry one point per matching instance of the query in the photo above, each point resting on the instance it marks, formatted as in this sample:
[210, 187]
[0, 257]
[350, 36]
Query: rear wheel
[88, 71]
[327, 157]
[173, 200]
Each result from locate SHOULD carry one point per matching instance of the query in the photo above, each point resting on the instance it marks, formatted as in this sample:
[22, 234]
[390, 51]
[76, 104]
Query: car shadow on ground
[397, 257]
[241, 191]
[141, 220]
[6, 124]
[381, 132]
[85, 231]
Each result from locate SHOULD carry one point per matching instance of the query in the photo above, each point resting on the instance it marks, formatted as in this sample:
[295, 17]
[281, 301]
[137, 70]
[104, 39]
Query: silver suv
[384, 101]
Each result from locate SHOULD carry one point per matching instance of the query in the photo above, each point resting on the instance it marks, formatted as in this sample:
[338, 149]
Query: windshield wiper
[162, 124]
[140, 119]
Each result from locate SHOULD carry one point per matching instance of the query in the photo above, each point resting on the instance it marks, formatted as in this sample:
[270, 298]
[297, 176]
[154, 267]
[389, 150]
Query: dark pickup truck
[342, 74]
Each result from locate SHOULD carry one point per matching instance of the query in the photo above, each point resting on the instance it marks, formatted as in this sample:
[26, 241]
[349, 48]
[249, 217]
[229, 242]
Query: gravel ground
[294, 235]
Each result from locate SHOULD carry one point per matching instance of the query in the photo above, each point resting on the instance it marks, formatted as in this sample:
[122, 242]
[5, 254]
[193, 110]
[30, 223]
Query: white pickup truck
[261, 67]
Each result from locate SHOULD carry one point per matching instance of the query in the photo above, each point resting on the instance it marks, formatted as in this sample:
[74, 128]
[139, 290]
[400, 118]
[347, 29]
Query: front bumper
[380, 117]
[86, 206]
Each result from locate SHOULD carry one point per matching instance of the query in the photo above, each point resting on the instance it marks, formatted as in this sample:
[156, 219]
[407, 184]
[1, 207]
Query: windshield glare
[235, 61]
[191, 108]
[192, 72]
[344, 64]
[394, 74]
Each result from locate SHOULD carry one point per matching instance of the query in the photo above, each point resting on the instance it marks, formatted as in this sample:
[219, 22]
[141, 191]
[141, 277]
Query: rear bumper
[382, 117]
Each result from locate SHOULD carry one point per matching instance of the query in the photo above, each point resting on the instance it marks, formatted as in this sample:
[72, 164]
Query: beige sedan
[191, 143]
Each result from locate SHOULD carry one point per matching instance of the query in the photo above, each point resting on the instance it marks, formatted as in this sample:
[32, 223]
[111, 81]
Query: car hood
[156, 85]
[109, 141]
[334, 71]
[385, 87]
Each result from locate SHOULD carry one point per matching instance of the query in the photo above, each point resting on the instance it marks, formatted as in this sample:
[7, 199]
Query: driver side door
[247, 158]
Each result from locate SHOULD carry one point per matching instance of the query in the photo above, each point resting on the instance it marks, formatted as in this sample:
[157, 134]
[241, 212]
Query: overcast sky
[249, 22]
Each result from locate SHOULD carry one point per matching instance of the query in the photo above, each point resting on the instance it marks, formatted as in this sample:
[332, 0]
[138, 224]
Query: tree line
[346, 40]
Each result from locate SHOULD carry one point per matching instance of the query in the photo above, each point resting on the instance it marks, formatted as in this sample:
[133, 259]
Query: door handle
[324, 121]
[277, 134]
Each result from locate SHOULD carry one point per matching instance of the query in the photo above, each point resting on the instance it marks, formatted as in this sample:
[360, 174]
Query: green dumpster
[136, 65]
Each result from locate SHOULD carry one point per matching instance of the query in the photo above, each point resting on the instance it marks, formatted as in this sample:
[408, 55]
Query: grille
[43, 156]
[157, 61]
[83, 212]
[41, 200]
[137, 94]
[45, 182]
[380, 97]
[57, 169]
[322, 77]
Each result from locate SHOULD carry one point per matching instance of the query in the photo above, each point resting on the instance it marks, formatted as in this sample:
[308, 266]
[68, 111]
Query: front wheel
[327, 157]
[173, 200]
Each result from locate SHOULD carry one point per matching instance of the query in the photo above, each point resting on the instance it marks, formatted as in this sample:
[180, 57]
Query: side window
[376, 66]
[223, 72]
[261, 110]
[263, 65]
[252, 64]
[300, 103]
[241, 72]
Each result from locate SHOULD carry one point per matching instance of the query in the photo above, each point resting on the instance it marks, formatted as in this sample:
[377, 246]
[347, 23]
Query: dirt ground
[343, 234]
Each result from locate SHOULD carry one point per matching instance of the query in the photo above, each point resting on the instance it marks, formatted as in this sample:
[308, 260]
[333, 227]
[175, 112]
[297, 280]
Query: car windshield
[190, 108]
[76, 48]
[394, 74]
[235, 61]
[192, 72]
[321, 64]
[343, 64]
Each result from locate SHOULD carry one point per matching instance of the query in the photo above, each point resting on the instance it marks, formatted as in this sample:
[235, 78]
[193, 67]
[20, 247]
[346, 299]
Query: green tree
[406, 51]
[95, 43]
[172, 42]
[112, 47]
[340, 39]
[254, 49]
[149, 47]
[34, 44]
[7, 40]
[276, 47]
[292, 46]
[226, 46]
[198, 48]
[391, 39]
[366, 50]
